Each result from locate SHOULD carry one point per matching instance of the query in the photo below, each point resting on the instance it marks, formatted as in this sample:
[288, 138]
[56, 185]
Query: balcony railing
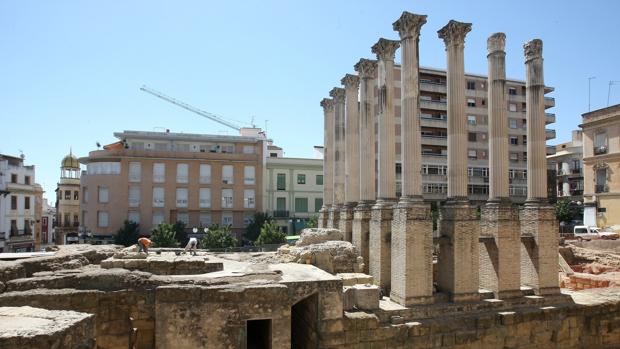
[600, 150]
[601, 188]
[280, 214]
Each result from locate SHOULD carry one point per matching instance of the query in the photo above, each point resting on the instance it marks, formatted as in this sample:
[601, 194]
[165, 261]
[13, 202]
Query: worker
[143, 244]
[192, 244]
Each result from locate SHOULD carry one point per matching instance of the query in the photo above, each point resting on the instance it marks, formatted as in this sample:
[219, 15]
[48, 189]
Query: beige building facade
[601, 160]
[154, 177]
[567, 162]
[68, 201]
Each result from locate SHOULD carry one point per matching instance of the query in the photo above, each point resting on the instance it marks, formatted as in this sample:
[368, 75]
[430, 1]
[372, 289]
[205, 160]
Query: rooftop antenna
[589, 80]
[611, 83]
[98, 145]
[252, 122]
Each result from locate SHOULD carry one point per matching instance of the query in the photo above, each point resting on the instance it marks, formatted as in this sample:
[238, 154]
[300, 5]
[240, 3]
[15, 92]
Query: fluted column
[360, 235]
[339, 171]
[453, 35]
[381, 216]
[328, 164]
[535, 115]
[412, 225]
[352, 138]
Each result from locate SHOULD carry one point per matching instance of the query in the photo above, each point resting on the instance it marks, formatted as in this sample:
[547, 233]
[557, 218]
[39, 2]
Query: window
[103, 195]
[26, 202]
[471, 85]
[204, 199]
[205, 219]
[471, 102]
[135, 171]
[249, 199]
[205, 174]
[301, 179]
[227, 174]
[249, 149]
[477, 171]
[512, 107]
[181, 197]
[281, 204]
[514, 157]
[281, 181]
[76, 195]
[13, 202]
[14, 230]
[158, 197]
[158, 218]
[301, 204]
[471, 119]
[183, 217]
[182, 147]
[13, 178]
[524, 140]
[67, 219]
[514, 140]
[600, 143]
[67, 194]
[161, 146]
[159, 172]
[601, 181]
[102, 219]
[104, 168]
[434, 170]
[512, 123]
[434, 188]
[471, 136]
[133, 216]
[273, 155]
[27, 180]
[182, 170]
[137, 145]
[318, 203]
[478, 189]
[319, 180]
[249, 175]
[228, 148]
[227, 219]
[227, 198]
[247, 219]
[471, 154]
[512, 91]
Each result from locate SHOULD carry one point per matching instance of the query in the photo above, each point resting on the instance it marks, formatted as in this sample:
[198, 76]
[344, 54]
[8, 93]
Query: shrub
[128, 234]
[253, 229]
[270, 233]
[218, 237]
[164, 236]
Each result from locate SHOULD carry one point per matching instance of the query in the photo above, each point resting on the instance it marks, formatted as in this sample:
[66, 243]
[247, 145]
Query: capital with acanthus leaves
[409, 25]
[385, 49]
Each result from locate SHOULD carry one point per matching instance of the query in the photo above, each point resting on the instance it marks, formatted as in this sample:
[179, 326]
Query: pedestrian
[143, 244]
[192, 244]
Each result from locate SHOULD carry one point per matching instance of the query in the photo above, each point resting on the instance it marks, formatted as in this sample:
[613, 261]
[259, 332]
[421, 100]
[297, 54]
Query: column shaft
[535, 116]
[367, 70]
[339, 171]
[352, 139]
[328, 169]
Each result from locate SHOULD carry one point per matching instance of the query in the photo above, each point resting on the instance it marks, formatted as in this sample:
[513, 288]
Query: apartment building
[154, 177]
[433, 97]
[293, 191]
[17, 205]
[567, 164]
[601, 160]
[48, 224]
[68, 201]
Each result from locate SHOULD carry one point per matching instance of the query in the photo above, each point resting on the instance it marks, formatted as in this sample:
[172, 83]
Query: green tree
[565, 210]
[181, 232]
[313, 222]
[164, 236]
[128, 234]
[218, 237]
[253, 229]
[270, 233]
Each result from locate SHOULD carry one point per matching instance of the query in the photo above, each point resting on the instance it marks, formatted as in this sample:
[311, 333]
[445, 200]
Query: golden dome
[70, 161]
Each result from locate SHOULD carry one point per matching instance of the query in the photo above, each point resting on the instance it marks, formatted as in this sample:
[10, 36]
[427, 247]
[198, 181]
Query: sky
[70, 71]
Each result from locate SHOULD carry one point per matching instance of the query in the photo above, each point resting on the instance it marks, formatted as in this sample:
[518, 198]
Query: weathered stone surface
[311, 236]
[164, 264]
[331, 256]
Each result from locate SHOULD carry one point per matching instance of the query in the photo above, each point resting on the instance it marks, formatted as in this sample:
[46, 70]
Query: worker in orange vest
[143, 244]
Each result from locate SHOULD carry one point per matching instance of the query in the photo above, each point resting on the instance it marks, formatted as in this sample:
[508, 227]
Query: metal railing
[601, 188]
[280, 214]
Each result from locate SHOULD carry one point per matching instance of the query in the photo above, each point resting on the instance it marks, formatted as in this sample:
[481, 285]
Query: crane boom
[184, 105]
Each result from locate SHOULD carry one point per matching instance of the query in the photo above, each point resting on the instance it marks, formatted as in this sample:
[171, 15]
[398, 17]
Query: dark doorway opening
[304, 323]
[259, 334]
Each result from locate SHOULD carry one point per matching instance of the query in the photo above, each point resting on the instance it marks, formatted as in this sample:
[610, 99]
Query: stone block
[360, 234]
[345, 223]
[379, 264]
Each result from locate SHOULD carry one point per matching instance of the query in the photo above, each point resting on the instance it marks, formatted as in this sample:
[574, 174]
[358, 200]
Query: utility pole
[611, 83]
[589, 80]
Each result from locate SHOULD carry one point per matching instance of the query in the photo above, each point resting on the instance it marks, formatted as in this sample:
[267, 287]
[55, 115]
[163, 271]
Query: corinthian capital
[385, 49]
[454, 32]
[338, 94]
[533, 49]
[327, 104]
[350, 81]
[496, 43]
[366, 68]
[409, 25]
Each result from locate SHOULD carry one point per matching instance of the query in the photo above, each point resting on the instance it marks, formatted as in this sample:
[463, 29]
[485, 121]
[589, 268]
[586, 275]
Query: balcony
[435, 105]
[550, 149]
[280, 214]
[601, 188]
[549, 102]
[434, 140]
[550, 134]
[430, 86]
[76, 224]
[549, 118]
[429, 121]
[600, 150]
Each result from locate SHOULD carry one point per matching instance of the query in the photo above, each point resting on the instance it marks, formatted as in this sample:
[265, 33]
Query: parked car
[584, 232]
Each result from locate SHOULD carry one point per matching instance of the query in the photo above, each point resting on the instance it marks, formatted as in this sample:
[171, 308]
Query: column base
[360, 234]
[345, 224]
[334, 216]
[412, 253]
[458, 263]
[323, 217]
[499, 230]
[380, 244]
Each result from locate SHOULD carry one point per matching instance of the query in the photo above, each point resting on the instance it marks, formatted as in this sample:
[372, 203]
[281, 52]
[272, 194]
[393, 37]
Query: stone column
[352, 160]
[328, 164]
[459, 226]
[334, 214]
[381, 216]
[539, 229]
[367, 70]
[412, 225]
[499, 262]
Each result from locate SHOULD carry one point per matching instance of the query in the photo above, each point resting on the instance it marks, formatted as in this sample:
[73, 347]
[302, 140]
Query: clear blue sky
[70, 71]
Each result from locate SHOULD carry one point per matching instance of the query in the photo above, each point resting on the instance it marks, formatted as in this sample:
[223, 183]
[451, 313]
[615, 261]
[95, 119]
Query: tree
[164, 236]
[313, 222]
[181, 232]
[253, 229]
[128, 234]
[218, 237]
[566, 210]
[270, 233]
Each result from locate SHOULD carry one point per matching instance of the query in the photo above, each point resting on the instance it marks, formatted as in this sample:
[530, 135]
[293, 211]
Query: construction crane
[184, 105]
